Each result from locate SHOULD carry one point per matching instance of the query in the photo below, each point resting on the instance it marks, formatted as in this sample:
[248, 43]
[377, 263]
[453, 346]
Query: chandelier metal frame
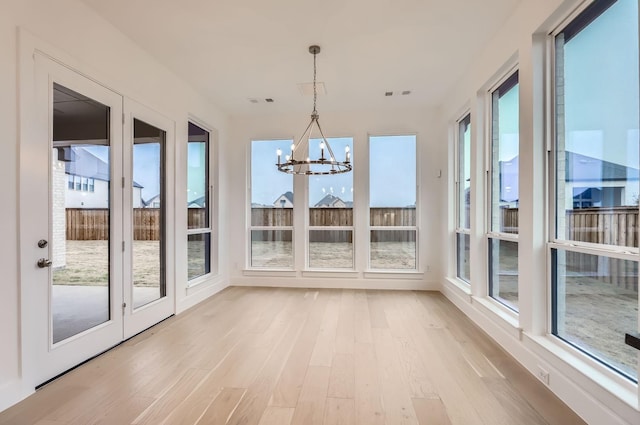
[327, 166]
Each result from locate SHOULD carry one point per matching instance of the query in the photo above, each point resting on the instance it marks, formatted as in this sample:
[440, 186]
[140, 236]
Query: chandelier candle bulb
[347, 154]
[279, 153]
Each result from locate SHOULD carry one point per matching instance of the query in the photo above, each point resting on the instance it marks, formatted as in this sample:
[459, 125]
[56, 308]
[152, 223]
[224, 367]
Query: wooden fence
[93, 224]
[87, 224]
[615, 226]
[612, 226]
[334, 217]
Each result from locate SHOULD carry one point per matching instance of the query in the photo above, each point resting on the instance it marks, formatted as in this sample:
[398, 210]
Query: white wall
[99, 198]
[595, 393]
[72, 33]
[357, 125]
[9, 302]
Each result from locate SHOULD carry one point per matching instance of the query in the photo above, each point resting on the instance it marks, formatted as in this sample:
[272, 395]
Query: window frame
[579, 19]
[415, 228]
[459, 229]
[490, 234]
[209, 200]
[251, 227]
[309, 228]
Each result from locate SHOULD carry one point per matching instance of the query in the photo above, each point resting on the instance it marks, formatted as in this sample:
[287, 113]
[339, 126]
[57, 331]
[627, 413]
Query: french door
[96, 182]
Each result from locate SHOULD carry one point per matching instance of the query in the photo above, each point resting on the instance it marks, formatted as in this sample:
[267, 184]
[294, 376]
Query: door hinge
[122, 246]
[123, 182]
[124, 306]
[122, 118]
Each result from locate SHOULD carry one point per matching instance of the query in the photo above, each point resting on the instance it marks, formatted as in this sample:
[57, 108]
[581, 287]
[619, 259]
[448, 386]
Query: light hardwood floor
[304, 357]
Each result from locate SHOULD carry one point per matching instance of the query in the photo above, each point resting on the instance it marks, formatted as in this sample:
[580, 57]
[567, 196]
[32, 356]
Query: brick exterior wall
[58, 216]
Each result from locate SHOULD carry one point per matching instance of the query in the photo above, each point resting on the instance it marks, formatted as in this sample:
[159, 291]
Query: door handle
[42, 263]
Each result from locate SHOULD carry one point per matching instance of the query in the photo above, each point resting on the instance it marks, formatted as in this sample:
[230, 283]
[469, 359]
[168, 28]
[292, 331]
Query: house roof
[198, 201]
[85, 164]
[579, 168]
[328, 201]
[287, 195]
[586, 168]
[150, 200]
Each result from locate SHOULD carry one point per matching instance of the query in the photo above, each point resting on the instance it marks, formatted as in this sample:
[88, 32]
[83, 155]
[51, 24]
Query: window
[594, 246]
[271, 229]
[463, 202]
[199, 233]
[148, 250]
[503, 192]
[79, 183]
[392, 202]
[331, 213]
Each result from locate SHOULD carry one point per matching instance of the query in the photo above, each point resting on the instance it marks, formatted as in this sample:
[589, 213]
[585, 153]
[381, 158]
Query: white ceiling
[234, 50]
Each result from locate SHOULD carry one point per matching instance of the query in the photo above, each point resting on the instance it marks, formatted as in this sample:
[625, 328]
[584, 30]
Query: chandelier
[296, 163]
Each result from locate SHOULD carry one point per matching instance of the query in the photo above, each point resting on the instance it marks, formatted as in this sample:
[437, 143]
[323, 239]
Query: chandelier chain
[315, 92]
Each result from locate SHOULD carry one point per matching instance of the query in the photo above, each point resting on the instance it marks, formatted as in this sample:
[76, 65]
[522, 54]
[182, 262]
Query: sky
[146, 168]
[508, 124]
[388, 187]
[602, 111]
[196, 171]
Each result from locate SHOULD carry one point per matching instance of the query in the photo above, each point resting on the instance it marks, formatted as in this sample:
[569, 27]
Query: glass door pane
[148, 262]
[80, 214]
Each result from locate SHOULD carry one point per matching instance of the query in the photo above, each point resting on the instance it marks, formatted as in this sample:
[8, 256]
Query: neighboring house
[593, 182]
[330, 201]
[284, 201]
[589, 182]
[87, 181]
[197, 203]
[153, 202]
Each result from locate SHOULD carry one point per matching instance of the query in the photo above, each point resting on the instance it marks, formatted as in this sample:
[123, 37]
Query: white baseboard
[197, 294]
[13, 392]
[592, 401]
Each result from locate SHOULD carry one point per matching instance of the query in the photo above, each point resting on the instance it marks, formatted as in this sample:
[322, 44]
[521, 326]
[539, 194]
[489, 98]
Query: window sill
[461, 286]
[396, 274]
[331, 273]
[269, 272]
[567, 357]
[191, 284]
[505, 314]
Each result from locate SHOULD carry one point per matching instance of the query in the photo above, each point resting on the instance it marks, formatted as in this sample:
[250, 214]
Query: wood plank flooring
[276, 356]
